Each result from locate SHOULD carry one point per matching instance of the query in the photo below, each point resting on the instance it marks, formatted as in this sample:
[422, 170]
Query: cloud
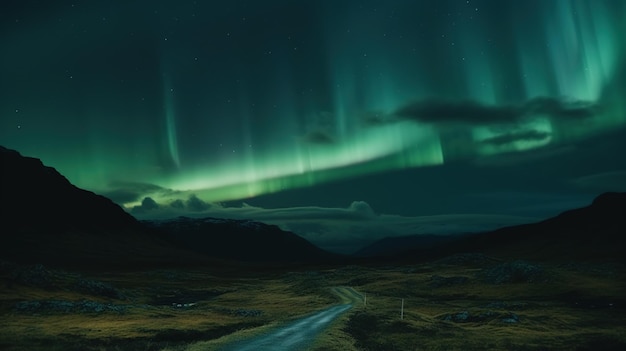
[511, 137]
[362, 208]
[147, 204]
[557, 108]
[471, 112]
[608, 181]
[320, 129]
[178, 203]
[122, 196]
[342, 229]
[475, 113]
[195, 204]
[126, 192]
[319, 137]
[378, 119]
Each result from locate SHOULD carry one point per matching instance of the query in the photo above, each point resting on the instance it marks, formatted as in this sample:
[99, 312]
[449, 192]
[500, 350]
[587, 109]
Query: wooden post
[402, 310]
[365, 299]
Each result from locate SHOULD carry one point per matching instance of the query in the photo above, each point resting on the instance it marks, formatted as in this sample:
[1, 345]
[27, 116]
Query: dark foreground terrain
[461, 302]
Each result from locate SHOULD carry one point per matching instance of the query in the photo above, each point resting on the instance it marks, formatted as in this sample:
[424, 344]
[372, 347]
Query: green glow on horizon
[306, 164]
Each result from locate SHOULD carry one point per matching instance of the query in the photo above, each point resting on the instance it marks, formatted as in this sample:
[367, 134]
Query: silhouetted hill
[240, 240]
[37, 196]
[591, 232]
[46, 219]
[594, 232]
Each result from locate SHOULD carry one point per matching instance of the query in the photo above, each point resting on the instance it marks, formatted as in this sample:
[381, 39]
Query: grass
[446, 307]
[571, 310]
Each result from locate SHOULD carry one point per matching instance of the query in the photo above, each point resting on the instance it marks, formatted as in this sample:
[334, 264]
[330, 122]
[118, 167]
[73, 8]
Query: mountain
[594, 232]
[36, 196]
[46, 219]
[240, 240]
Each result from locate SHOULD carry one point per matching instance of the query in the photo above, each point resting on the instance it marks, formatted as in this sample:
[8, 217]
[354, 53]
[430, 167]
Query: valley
[461, 302]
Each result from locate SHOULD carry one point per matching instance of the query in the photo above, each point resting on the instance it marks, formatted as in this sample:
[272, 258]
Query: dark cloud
[175, 208]
[147, 204]
[318, 136]
[377, 119]
[524, 135]
[194, 203]
[178, 203]
[121, 196]
[473, 112]
[560, 109]
[125, 192]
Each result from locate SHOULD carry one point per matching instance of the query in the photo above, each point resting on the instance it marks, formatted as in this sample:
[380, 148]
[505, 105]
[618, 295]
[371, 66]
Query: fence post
[402, 310]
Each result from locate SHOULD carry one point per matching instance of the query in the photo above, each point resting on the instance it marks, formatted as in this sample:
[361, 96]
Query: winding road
[298, 335]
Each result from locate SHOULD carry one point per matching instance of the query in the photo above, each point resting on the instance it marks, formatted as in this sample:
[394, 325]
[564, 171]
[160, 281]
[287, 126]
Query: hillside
[240, 240]
[46, 219]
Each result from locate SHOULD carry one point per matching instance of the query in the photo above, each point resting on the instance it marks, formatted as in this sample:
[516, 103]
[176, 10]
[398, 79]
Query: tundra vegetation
[462, 302]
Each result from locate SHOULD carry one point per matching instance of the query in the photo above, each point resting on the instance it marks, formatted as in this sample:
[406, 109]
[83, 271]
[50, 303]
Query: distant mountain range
[240, 240]
[589, 233]
[593, 232]
[46, 219]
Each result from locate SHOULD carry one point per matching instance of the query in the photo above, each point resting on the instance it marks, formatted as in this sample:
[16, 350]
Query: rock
[460, 317]
[183, 305]
[35, 275]
[510, 319]
[513, 272]
[28, 306]
[97, 288]
[247, 313]
[482, 317]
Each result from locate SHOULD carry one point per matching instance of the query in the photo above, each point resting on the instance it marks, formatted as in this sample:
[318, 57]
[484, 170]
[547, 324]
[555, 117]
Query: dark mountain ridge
[36, 196]
[46, 219]
[241, 240]
[594, 232]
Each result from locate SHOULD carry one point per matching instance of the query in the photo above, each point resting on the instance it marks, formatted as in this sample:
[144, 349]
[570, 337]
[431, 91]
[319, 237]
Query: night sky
[343, 121]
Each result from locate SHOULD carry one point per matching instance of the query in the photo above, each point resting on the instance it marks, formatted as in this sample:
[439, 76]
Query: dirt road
[298, 335]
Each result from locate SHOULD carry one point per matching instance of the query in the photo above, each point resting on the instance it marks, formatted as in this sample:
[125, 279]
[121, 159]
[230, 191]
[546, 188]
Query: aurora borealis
[414, 108]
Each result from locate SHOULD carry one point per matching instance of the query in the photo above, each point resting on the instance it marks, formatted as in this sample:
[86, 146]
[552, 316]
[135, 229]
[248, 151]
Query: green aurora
[236, 100]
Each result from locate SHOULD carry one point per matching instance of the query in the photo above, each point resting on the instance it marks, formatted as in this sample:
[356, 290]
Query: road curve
[301, 333]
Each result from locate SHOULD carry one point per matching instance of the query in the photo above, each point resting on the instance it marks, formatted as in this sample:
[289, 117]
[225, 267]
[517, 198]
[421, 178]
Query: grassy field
[462, 303]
